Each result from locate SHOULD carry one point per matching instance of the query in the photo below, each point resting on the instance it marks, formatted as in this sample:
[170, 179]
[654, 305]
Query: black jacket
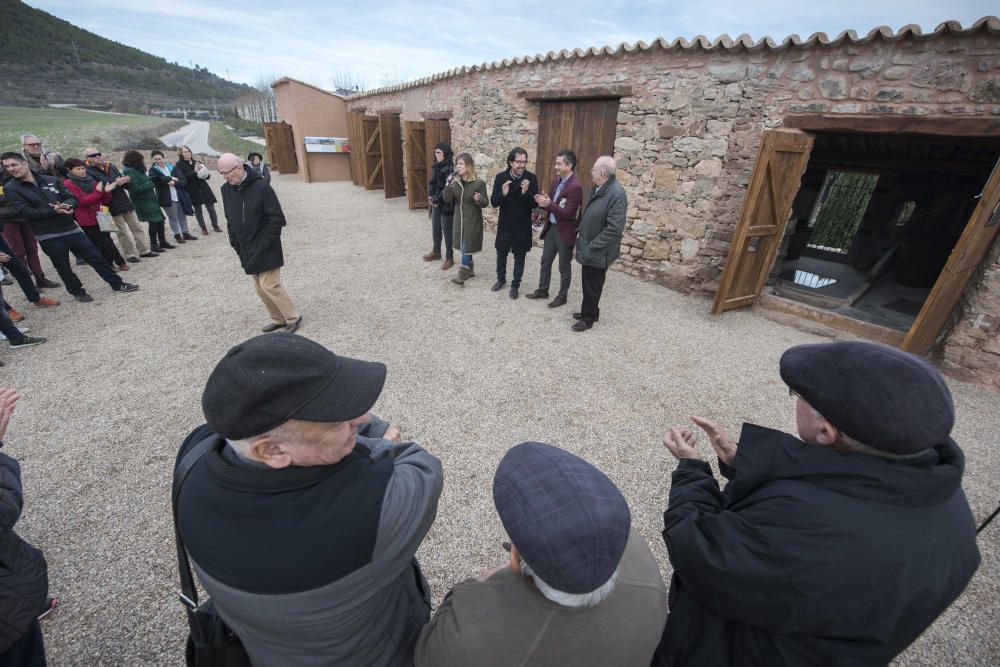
[811, 557]
[514, 222]
[198, 189]
[24, 582]
[440, 171]
[32, 202]
[255, 221]
[120, 203]
[162, 183]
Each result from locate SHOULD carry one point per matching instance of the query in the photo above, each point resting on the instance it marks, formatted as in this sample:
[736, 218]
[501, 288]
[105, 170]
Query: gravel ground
[108, 400]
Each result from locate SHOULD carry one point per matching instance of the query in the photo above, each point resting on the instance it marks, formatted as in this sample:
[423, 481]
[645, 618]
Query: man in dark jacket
[131, 233]
[514, 193]
[836, 549]
[20, 239]
[24, 582]
[255, 220]
[304, 513]
[600, 238]
[562, 210]
[48, 207]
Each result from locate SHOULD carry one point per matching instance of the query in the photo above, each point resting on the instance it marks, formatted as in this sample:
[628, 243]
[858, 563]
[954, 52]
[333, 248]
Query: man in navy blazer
[563, 208]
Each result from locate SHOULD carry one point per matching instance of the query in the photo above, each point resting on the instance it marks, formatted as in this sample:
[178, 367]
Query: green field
[224, 140]
[69, 131]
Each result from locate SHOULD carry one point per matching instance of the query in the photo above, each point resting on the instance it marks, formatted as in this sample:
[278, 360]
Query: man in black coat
[131, 233]
[838, 548]
[514, 193]
[255, 220]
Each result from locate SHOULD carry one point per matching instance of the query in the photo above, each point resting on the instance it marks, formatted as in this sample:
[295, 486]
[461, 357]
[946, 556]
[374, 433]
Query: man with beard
[514, 193]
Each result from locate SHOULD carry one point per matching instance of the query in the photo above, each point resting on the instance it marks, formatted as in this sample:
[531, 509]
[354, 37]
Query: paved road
[194, 135]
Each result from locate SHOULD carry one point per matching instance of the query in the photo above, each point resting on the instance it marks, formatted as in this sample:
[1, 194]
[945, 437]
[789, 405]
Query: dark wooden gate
[281, 147]
[416, 164]
[435, 132]
[356, 140]
[372, 153]
[391, 137]
[587, 127]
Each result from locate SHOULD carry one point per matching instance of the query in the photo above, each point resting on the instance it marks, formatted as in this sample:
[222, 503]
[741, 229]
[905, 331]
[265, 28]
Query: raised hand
[723, 443]
[680, 442]
[506, 188]
[524, 186]
[8, 398]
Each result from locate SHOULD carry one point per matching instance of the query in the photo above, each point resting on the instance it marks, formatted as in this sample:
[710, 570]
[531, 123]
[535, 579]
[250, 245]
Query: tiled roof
[990, 24]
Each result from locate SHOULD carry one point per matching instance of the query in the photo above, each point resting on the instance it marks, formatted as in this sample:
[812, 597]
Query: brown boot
[463, 275]
[431, 256]
[447, 264]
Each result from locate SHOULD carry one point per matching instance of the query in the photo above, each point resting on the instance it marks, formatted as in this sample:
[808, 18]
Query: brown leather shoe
[558, 301]
[431, 256]
[46, 302]
[447, 264]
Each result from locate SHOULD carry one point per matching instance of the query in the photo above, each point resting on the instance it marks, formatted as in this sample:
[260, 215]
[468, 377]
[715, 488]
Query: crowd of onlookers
[108, 217]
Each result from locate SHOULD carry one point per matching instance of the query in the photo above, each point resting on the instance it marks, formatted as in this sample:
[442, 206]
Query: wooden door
[281, 147]
[965, 258]
[355, 139]
[391, 137]
[587, 127]
[372, 143]
[416, 164]
[768, 203]
[435, 132]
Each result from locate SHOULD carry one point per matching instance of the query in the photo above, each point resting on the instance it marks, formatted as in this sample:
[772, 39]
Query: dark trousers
[28, 651]
[518, 266]
[13, 334]
[102, 241]
[58, 250]
[555, 246]
[201, 218]
[22, 241]
[156, 236]
[20, 272]
[441, 227]
[593, 286]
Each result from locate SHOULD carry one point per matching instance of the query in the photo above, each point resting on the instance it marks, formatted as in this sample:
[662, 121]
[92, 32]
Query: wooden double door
[586, 127]
[376, 152]
[774, 183]
[421, 137]
[281, 147]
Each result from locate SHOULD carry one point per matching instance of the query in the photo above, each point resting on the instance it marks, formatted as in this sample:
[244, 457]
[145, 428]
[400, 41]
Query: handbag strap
[188, 593]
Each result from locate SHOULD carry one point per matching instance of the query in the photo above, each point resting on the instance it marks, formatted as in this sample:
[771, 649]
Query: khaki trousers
[279, 305]
[131, 235]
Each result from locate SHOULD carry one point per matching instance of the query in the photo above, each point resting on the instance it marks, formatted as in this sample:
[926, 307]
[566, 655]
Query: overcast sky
[392, 40]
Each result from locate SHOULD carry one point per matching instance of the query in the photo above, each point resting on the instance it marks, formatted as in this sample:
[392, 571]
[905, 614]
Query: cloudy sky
[380, 42]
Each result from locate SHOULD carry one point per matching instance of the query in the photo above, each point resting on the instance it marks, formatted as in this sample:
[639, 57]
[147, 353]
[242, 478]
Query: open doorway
[875, 219]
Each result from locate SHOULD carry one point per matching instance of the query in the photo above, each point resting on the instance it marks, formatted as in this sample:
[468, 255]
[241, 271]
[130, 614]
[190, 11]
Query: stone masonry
[689, 132]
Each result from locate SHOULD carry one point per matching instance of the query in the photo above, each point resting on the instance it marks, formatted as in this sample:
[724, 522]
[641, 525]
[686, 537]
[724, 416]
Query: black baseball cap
[267, 380]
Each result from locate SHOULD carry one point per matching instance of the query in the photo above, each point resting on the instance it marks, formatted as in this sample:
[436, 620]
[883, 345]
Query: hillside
[46, 60]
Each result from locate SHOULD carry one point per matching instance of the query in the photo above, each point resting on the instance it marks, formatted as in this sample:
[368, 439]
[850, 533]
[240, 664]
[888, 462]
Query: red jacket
[89, 203]
[566, 209]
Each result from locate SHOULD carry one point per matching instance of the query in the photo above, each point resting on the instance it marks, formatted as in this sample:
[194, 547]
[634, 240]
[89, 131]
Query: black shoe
[179, 238]
[166, 246]
[46, 283]
[126, 287]
[513, 293]
[132, 260]
[83, 297]
[558, 301]
[27, 341]
[151, 253]
[579, 316]
[292, 327]
[189, 236]
[218, 229]
[581, 325]
[538, 294]
[271, 326]
[498, 285]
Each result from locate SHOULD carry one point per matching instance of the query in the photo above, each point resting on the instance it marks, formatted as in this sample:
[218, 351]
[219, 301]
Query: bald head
[604, 169]
[93, 155]
[231, 168]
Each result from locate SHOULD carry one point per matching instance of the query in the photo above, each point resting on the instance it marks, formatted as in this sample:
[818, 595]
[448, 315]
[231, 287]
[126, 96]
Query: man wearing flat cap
[304, 511]
[838, 547]
[581, 588]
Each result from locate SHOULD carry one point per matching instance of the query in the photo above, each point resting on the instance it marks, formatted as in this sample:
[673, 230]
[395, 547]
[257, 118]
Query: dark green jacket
[468, 213]
[144, 199]
[602, 225]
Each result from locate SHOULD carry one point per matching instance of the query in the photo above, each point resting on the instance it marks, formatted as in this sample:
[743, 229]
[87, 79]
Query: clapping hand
[524, 186]
[506, 188]
[680, 442]
[4, 258]
[542, 200]
[8, 397]
[392, 433]
[477, 197]
[723, 443]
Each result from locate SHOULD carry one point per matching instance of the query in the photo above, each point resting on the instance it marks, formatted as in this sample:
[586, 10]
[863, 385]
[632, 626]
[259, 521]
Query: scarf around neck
[85, 183]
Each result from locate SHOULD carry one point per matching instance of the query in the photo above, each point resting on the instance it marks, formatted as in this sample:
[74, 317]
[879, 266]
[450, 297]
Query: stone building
[741, 152]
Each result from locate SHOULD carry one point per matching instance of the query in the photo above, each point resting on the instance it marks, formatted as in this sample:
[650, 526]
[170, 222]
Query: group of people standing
[593, 228]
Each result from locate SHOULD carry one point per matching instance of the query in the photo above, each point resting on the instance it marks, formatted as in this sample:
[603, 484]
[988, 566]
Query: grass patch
[69, 131]
[224, 140]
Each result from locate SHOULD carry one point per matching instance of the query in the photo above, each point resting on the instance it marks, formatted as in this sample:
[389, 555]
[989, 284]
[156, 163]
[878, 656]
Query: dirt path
[107, 402]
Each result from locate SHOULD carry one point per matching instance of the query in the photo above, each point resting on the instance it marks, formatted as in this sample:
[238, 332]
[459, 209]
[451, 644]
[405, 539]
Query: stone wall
[688, 134]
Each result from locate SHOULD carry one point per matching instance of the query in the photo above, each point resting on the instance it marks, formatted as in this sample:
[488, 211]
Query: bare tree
[347, 81]
[259, 105]
[394, 78]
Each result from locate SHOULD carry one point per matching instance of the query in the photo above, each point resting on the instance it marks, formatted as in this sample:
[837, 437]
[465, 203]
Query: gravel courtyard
[106, 403]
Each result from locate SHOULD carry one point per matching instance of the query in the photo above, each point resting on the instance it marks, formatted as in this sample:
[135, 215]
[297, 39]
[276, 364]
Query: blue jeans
[58, 250]
[7, 327]
[441, 230]
[20, 272]
[466, 259]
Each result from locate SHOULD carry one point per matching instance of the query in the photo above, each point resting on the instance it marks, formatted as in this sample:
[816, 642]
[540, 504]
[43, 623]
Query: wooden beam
[891, 124]
[563, 94]
[437, 115]
[877, 163]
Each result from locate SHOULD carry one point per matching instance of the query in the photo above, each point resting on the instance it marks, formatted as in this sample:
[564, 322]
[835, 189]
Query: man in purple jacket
[563, 208]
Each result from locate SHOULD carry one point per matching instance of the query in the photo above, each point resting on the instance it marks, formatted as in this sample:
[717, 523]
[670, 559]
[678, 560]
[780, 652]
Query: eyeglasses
[92, 155]
[520, 162]
[37, 143]
[226, 173]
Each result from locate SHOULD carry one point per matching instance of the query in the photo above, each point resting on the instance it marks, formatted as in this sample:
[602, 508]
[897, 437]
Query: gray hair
[572, 600]
[33, 136]
[607, 164]
[286, 431]
[850, 445]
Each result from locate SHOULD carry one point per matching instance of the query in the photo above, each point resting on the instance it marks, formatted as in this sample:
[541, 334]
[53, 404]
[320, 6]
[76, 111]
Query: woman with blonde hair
[467, 194]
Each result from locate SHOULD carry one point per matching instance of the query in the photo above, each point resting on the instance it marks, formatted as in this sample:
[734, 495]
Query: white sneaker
[19, 328]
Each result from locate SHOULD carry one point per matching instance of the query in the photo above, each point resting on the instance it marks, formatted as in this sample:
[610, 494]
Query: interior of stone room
[875, 220]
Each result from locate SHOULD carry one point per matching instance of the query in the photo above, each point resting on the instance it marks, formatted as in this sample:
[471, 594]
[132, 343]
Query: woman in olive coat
[467, 194]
